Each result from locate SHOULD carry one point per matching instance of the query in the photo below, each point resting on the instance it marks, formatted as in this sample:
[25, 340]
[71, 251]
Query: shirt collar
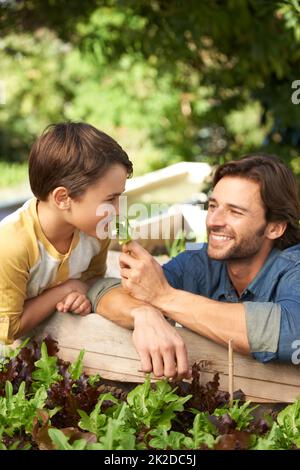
[262, 274]
[226, 288]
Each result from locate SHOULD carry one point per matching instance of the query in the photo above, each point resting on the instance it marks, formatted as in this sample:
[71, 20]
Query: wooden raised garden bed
[109, 351]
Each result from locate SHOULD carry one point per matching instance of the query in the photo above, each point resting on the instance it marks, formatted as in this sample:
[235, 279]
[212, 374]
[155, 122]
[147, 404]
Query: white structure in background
[177, 187]
[176, 183]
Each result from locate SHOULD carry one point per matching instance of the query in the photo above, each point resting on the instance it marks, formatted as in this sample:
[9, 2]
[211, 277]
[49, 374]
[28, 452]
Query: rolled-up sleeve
[100, 288]
[274, 327]
[263, 326]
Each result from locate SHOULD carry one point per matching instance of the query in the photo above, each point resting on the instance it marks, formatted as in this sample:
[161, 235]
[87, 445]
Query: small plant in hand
[123, 230]
[47, 403]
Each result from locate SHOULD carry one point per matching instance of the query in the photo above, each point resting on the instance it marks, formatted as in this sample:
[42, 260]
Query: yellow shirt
[29, 264]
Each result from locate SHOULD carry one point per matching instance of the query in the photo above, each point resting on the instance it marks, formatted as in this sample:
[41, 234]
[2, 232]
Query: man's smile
[219, 238]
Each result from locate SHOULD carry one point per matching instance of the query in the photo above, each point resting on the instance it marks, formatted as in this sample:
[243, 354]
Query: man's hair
[74, 155]
[278, 190]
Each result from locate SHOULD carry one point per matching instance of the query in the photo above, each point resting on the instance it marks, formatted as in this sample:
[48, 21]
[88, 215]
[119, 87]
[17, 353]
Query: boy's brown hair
[74, 155]
[278, 190]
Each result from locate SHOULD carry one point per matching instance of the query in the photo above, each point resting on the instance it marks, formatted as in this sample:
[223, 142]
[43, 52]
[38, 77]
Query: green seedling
[123, 230]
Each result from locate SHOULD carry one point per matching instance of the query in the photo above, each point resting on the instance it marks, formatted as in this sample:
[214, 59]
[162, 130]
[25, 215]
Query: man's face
[235, 220]
[99, 202]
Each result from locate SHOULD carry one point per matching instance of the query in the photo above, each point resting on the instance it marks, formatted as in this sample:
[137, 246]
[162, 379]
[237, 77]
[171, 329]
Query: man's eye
[236, 212]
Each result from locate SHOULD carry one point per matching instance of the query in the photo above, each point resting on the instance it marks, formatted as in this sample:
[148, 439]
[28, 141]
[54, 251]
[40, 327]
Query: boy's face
[107, 190]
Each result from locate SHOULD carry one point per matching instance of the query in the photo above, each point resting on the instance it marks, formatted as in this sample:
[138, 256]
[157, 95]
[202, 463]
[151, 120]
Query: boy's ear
[61, 198]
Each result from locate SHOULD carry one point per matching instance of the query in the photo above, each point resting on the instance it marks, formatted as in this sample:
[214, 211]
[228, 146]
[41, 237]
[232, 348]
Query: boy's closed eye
[114, 196]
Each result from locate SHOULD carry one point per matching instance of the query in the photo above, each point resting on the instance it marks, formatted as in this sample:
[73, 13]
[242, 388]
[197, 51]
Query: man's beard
[246, 248]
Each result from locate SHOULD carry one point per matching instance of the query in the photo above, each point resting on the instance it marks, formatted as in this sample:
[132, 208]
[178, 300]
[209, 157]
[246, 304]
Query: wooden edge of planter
[109, 351]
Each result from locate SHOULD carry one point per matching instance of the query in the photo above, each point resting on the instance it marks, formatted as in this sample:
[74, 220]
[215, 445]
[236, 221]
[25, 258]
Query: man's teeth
[220, 237]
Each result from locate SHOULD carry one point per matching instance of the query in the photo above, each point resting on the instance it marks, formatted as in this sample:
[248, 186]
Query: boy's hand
[75, 302]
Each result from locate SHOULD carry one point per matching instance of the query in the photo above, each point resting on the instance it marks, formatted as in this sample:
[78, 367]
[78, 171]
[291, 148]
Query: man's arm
[143, 277]
[159, 345]
[118, 306]
[218, 321]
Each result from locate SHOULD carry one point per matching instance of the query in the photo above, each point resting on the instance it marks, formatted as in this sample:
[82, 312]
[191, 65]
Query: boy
[50, 254]
[51, 258]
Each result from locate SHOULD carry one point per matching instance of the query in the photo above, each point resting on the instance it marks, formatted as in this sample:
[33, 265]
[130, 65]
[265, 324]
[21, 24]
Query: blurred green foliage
[195, 80]
[12, 174]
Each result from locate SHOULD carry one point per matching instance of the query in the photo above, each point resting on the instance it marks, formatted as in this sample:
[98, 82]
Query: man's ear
[275, 230]
[61, 198]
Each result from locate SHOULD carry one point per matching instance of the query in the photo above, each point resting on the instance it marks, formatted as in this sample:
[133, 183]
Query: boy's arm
[14, 274]
[18, 315]
[39, 308]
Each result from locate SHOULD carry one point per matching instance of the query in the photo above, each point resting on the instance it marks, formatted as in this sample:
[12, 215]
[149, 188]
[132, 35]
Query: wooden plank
[262, 389]
[92, 333]
[106, 365]
[110, 352]
[123, 369]
[244, 366]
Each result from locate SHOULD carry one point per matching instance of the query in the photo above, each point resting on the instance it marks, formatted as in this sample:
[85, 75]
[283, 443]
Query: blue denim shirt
[271, 300]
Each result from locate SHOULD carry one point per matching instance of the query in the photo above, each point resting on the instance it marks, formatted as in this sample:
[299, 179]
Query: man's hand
[160, 347]
[75, 302]
[142, 276]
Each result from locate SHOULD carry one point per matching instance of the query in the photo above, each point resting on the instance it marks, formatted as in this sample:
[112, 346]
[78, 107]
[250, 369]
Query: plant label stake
[230, 371]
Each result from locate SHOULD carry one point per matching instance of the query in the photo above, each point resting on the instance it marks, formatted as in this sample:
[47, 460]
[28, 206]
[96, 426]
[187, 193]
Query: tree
[227, 68]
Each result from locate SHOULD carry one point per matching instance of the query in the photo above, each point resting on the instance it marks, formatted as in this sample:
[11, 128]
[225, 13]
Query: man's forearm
[160, 347]
[218, 321]
[37, 309]
[144, 279]
[118, 306]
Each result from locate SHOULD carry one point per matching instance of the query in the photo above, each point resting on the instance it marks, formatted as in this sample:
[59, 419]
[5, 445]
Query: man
[244, 284]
